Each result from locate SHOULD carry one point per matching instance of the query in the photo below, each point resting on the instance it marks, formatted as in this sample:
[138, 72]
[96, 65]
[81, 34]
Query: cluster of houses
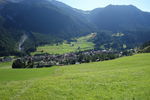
[47, 60]
[6, 59]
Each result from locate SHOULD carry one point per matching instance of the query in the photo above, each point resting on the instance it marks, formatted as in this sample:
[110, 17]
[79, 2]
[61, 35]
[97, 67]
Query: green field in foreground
[5, 65]
[83, 43]
[126, 78]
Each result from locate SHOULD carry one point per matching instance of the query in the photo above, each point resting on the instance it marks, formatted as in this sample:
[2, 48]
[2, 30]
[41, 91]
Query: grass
[5, 65]
[82, 43]
[24, 74]
[126, 78]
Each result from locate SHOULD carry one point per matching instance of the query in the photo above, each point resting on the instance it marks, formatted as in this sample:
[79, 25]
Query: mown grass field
[83, 43]
[126, 78]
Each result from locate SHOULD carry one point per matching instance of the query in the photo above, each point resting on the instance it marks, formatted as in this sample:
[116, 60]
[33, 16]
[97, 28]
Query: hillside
[145, 48]
[128, 20]
[44, 22]
[50, 22]
[121, 40]
[123, 78]
[120, 18]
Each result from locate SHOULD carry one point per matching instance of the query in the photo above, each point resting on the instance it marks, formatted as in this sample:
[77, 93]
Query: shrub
[18, 64]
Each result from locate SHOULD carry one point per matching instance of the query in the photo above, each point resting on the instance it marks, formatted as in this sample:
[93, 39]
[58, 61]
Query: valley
[73, 45]
[50, 50]
[53, 22]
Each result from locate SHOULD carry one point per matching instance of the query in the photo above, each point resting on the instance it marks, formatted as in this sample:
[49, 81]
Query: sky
[91, 4]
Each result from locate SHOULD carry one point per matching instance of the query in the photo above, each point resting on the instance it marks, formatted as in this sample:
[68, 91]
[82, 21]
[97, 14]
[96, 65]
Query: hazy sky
[91, 4]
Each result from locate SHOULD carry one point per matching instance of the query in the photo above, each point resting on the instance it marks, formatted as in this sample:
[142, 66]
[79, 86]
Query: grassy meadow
[83, 43]
[5, 65]
[126, 78]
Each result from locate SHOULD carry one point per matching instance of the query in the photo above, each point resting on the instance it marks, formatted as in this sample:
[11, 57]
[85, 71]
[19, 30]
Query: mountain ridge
[119, 18]
[48, 22]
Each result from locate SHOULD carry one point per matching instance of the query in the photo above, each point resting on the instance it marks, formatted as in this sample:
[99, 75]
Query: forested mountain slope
[43, 21]
[120, 17]
[50, 21]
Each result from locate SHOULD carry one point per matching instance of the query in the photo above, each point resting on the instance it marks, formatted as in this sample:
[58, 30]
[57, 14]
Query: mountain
[26, 24]
[120, 17]
[120, 26]
[42, 20]
[42, 16]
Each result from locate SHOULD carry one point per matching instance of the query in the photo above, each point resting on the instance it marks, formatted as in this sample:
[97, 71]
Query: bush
[18, 64]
